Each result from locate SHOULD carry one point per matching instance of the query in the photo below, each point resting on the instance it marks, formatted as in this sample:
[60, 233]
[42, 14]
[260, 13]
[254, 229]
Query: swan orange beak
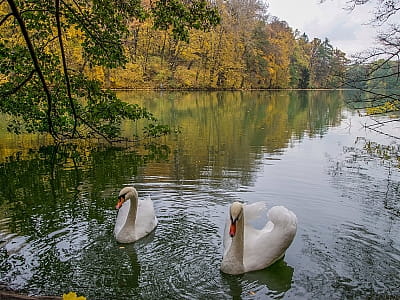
[232, 230]
[120, 202]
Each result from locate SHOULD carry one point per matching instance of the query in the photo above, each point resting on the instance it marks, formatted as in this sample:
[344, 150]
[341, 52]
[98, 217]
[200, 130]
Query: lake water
[305, 150]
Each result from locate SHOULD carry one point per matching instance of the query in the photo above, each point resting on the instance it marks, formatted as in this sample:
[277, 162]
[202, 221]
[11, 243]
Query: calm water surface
[306, 151]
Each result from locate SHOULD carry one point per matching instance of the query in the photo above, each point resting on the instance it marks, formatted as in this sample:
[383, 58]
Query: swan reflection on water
[273, 281]
[129, 278]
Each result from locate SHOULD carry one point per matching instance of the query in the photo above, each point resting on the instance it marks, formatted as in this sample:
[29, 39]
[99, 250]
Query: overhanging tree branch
[379, 124]
[94, 129]
[5, 18]
[366, 79]
[64, 63]
[19, 86]
[85, 23]
[35, 61]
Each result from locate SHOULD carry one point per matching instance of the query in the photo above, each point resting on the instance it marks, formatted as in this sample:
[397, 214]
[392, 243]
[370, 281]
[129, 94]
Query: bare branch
[381, 123]
[383, 96]
[48, 42]
[374, 128]
[381, 64]
[376, 77]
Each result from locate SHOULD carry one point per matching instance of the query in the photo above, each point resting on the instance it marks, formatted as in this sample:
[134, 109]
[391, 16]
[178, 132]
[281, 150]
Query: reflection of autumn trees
[228, 130]
[217, 123]
[51, 178]
[220, 130]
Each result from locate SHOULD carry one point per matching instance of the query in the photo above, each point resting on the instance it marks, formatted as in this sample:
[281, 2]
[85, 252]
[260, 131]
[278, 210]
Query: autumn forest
[248, 49]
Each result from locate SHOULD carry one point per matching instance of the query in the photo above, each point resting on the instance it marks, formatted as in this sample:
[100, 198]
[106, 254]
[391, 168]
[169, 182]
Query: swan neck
[238, 241]
[131, 218]
[233, 260]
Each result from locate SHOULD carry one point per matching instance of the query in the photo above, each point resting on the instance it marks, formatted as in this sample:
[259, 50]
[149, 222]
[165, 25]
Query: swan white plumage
[247, 248]
[136, 218]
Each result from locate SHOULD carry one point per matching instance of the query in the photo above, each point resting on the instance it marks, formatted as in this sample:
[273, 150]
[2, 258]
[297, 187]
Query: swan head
[235, 214]
[125, 194]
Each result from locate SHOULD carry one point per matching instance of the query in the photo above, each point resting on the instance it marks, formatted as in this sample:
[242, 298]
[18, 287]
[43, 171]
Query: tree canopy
[43, 87]
[249, 49]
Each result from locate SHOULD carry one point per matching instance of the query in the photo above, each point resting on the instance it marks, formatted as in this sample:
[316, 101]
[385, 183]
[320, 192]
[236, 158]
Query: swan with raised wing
[247, 248]
[136, 218]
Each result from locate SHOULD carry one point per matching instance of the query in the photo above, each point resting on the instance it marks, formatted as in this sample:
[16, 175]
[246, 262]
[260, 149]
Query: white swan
[247, 248]
[136, 218]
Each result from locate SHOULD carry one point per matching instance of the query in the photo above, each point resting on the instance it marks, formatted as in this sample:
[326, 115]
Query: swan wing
[146, 219]
[280, 229]
[283, 218]
[254, 210]
[265, 246]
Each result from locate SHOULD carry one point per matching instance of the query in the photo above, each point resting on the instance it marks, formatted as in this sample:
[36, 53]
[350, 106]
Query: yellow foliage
[127, 77]
[72, 296]
[241, 52]
[186, 77]
[386, 107]
[96, 73]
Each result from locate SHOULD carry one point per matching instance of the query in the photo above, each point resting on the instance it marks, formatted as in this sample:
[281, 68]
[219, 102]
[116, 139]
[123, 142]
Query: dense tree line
[248, 49]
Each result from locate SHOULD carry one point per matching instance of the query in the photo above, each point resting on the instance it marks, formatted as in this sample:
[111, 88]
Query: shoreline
[224, 90]
[7, 294]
